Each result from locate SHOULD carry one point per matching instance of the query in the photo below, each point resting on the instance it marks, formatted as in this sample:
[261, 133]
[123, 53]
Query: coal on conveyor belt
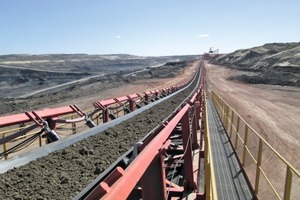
[64, 173]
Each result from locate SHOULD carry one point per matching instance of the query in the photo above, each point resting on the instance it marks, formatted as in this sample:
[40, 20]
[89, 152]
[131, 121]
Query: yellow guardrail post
[237, 132]
[40, 140]
[231, 124]
[258, 164]
[210, 180]
[97, 120]
[245, 145]
[207, 170]
[4, 148]
[73, 126]
[228, 111]
[206, 158]
[223, 111]
[288, 183]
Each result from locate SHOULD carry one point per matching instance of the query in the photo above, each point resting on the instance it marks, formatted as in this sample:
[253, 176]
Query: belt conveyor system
[168, 162]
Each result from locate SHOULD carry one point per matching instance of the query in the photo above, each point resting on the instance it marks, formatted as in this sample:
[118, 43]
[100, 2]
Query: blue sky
[147, 28]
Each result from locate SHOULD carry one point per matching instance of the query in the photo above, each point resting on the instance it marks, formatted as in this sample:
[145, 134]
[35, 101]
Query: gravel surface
[64, 173]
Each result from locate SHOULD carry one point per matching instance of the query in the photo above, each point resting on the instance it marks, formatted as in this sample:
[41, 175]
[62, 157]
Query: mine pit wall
[64, 173]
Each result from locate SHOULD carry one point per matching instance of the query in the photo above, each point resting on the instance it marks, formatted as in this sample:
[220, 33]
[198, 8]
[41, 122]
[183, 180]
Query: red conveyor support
[123, 187]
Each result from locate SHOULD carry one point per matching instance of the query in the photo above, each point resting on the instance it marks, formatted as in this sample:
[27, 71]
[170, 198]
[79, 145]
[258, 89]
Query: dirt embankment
[274, 64]
[64, 173]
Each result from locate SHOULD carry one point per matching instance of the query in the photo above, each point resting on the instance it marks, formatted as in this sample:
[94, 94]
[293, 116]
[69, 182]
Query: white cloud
[118, 36]
[203, 35]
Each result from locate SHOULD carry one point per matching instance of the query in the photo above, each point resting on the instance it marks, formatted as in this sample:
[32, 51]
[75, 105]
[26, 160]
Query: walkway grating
[231, 182]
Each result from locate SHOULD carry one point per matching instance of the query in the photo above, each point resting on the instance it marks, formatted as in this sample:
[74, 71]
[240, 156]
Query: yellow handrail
[210, 180]
[228, 115]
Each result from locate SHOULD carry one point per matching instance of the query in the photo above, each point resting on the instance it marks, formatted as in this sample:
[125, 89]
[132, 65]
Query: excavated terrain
[83, 89]
[64, 173]
[273, 64]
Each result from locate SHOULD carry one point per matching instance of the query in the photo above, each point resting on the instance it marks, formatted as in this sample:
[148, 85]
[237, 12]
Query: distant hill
[93, 64]
[54, 57]
[275, 63]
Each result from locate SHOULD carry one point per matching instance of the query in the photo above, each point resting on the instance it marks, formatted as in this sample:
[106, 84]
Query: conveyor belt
[231, 182]
[26, 157]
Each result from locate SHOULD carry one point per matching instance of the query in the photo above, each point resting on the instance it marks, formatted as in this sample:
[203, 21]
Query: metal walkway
[230, 179]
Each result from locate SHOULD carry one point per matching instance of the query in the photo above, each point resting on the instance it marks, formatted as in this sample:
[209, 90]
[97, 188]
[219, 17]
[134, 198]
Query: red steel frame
[23, 117]
[53, 114]
[103, 105]
[14, 119]
[148, 168]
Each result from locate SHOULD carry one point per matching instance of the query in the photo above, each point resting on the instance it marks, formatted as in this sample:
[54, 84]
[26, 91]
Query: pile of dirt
[275, 64]
[269, 77]
[64, 173]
